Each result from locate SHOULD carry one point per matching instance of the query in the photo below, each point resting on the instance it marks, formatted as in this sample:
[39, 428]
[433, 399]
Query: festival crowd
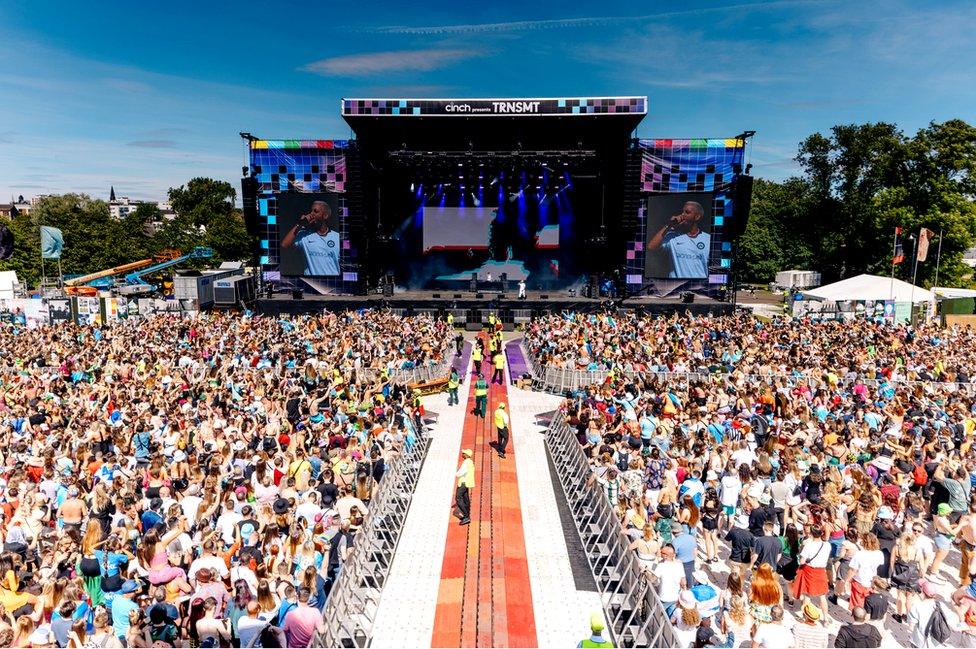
[194, 481]
[785, 483]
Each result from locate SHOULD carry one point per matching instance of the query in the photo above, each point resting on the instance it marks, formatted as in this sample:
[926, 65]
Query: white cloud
[353, 65]
[590, 21]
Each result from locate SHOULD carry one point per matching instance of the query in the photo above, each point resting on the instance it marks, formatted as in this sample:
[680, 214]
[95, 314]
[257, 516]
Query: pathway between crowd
[485, 599]
[509, 578]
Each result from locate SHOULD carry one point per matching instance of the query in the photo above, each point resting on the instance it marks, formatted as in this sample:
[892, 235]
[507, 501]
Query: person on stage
[688, 245]
[481, 397]
[319, 243]
[501, 428]
[521, 289]
[465, 483]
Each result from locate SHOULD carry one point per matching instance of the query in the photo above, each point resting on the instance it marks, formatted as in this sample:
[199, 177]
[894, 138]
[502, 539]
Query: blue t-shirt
[685, 546]
[121, 608]
[321, 252]
[689, 255]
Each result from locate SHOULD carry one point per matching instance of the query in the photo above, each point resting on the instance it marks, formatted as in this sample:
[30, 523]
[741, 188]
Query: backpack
[938, 627]
[920, 475]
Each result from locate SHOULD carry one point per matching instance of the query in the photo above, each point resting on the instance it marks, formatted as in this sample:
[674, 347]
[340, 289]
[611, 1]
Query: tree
[206, 216]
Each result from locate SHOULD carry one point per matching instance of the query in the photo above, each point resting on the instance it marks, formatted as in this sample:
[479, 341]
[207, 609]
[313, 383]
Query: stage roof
[494, 123]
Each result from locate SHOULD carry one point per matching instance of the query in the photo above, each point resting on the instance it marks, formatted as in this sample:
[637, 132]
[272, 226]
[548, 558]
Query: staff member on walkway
[476, 355]
[481, 397]
[452, 387]
[501, 427]
[465, 483]
[596, 638]
[499, 374]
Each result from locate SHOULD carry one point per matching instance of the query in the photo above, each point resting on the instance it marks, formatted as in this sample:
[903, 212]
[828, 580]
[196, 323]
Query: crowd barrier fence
[635, 615]
[355, 597]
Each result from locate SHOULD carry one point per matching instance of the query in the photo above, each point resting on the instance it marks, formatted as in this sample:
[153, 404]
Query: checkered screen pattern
[303, 166]
[696, 165]
[463, 107]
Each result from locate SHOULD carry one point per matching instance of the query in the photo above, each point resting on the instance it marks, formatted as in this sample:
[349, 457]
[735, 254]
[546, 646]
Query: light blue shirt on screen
[321, 252]
[689, 255]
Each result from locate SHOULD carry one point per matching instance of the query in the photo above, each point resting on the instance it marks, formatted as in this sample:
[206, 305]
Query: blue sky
[144, 96]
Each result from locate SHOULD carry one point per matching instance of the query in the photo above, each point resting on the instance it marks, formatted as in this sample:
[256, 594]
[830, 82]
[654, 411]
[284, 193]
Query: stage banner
[52, 242]
[59, 310]
[494, 107]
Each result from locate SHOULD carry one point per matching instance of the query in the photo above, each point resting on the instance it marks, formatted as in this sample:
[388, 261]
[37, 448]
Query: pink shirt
[300, 624]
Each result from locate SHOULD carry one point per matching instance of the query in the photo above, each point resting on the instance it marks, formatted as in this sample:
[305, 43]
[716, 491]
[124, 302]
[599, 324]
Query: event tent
[863, 288]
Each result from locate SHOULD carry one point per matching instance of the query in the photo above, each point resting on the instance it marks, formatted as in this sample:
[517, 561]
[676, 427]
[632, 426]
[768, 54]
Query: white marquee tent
[864, 288]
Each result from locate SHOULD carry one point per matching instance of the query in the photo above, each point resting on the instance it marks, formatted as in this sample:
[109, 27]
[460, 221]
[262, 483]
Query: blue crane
[135, 277]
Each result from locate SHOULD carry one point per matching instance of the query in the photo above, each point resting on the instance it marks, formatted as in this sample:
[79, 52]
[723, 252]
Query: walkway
[485, 599]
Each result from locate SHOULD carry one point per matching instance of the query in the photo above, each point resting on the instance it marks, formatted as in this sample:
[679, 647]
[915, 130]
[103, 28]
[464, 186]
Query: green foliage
[859, 182]
[94, 241]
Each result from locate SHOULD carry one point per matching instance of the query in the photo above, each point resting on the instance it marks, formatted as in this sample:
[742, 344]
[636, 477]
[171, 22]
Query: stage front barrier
[635, 615]
[559, 380]
[355, 597]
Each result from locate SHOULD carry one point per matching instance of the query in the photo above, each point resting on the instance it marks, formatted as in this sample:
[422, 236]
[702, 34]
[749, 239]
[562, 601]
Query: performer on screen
[318, 242]
[688, 245]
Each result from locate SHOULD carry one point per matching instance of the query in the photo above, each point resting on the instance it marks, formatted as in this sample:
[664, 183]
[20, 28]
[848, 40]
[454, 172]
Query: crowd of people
[784, 483]
[195, 480]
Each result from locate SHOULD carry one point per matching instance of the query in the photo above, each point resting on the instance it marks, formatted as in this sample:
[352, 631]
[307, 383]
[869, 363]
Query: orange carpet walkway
[485, 599]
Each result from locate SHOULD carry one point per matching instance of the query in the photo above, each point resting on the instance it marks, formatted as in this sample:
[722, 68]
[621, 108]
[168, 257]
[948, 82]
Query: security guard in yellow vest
[491, 322]
[596, 628]
[452, 387]
[501, 429]
[450, 319]
[481, 397]
[499, 375]
[477, 354]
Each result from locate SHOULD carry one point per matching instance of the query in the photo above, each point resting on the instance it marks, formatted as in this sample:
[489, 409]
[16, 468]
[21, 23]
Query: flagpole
[914, 272]
[894, 251]
[40, 248]
[938, 259]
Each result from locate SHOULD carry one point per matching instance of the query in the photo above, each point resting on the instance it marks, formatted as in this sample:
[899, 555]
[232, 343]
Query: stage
[469, 306]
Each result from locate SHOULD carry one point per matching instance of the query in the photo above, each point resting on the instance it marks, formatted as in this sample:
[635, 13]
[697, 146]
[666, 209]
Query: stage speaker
[473, 284]
[687, 297]
[502, 296]
[544, 296]
[479, 295]
[297, 294]
[457, 296]
[436, 295]
[741, 206]
[249, 204]
[593, 286]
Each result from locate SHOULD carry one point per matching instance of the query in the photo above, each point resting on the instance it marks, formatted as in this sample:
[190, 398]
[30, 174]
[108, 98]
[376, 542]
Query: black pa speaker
[249, 203]
[687, 297]
[436, 295]
[457, 296]
[479, 295]
[741, 206]
[297, 294]
[544, 296]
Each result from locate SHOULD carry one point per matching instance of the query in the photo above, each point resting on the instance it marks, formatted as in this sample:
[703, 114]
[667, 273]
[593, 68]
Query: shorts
[729, 510]
[942, 542]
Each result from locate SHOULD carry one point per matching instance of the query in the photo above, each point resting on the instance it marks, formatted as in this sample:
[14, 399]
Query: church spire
[111, 194]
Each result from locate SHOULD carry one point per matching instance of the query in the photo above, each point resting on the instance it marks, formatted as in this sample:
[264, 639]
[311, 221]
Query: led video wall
[303, 183]
[694, 178]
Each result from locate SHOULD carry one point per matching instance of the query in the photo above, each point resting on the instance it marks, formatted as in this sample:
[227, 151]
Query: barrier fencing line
[559, 379]
[635, 615]
[355, 598]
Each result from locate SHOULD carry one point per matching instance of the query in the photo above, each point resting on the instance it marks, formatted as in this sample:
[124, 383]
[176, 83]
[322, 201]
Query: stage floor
[540, 301]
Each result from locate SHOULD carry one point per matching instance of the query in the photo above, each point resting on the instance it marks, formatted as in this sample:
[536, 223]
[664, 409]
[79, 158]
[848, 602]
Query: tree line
[93, 240]
[857, 184]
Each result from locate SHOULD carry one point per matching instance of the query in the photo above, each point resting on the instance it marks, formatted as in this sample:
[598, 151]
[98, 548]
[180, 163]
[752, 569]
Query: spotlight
[411, 187]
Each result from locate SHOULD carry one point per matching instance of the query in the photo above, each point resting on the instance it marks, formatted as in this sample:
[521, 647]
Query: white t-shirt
[669, 574]
[865, 563]
[918, 619]
[214, 564]
[191, 505]
[773, 635]
[226, 523]
[815, 553]
[731, 487]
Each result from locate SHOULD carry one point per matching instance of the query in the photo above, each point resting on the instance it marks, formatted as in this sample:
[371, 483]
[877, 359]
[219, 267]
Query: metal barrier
[355, 597]
[559, 379]
[635, 615]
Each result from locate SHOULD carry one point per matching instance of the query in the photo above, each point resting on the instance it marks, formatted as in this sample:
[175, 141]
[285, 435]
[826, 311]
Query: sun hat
[687, 599]
[944, 509]
[811, 612]
[885, 513]
[928, 588]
